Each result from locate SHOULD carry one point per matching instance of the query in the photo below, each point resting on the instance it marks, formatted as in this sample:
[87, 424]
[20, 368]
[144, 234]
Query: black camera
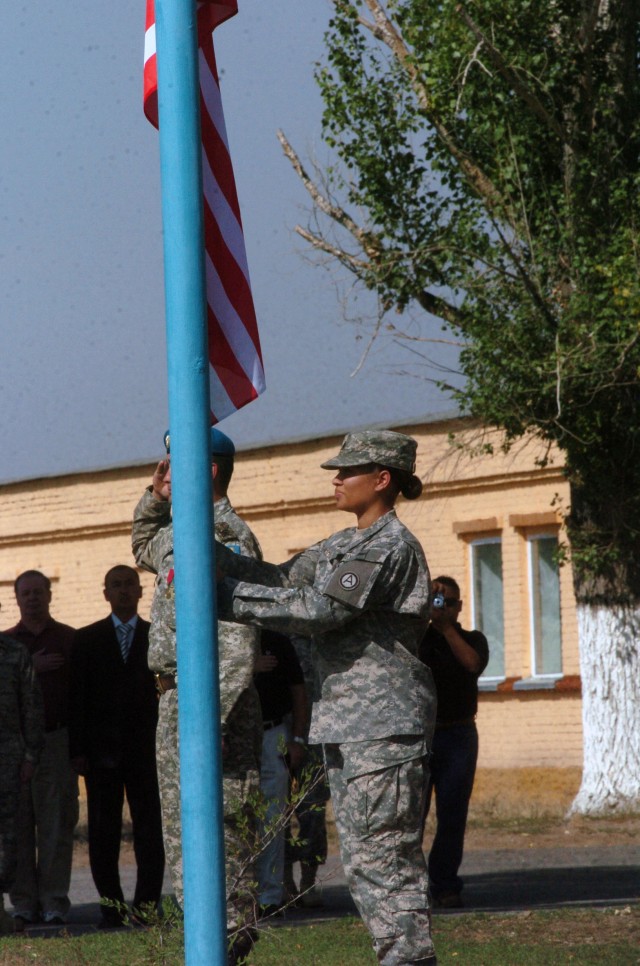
[437, 601]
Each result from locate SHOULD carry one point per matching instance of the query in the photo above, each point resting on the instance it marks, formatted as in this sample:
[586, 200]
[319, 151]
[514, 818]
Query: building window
[544, 593]
[486, 600]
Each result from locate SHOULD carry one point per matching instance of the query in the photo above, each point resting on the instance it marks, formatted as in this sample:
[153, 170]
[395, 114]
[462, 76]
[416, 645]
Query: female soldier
[363, 595]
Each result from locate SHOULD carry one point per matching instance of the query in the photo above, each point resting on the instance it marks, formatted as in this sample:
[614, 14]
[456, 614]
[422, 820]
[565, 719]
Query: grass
[584, 937]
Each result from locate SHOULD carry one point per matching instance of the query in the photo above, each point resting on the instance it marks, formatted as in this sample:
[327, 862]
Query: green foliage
[161, 934]
[494, 149]
[253, 831]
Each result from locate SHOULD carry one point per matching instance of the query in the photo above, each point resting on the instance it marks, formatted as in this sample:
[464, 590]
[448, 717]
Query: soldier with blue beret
[363, 595]
[241, 721]
[221, 445]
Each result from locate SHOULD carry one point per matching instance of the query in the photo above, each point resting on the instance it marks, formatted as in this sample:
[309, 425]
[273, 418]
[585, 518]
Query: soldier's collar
[368, 532]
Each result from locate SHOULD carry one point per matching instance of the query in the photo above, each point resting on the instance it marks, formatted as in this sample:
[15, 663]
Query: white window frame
[486, 679]
[535, 673]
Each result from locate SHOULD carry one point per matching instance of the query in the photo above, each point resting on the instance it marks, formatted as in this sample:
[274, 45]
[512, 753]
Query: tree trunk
[610, 669]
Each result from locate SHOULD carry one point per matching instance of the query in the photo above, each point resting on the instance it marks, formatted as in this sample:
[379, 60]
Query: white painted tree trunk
[610, 670]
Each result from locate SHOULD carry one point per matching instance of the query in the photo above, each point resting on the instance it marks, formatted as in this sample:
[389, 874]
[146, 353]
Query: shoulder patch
[351, 581]
[224, 533]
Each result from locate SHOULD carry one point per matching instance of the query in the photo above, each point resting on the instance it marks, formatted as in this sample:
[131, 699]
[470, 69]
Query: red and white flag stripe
[235, 359]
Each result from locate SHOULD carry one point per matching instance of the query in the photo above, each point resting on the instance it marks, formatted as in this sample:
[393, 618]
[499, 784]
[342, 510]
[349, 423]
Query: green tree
[489, 151]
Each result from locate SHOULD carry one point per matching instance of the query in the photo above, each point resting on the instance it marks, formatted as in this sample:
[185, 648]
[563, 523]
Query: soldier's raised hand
[161, 483]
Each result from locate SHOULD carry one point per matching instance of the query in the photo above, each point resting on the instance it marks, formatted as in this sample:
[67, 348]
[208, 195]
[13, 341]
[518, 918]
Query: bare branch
[367, 350]
[356, 265]
[474, 59]
[400, 336]
[368, 241]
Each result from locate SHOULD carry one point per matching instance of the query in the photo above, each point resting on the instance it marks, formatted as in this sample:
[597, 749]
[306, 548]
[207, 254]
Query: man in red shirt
[49, 803]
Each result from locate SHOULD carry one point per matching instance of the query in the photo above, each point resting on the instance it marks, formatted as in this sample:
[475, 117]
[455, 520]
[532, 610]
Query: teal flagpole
[192, 504]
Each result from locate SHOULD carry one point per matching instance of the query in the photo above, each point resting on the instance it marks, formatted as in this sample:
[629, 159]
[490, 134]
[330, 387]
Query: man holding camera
[456, 658]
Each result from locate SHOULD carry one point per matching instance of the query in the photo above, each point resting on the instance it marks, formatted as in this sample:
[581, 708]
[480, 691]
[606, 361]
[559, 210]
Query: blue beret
[221, 445]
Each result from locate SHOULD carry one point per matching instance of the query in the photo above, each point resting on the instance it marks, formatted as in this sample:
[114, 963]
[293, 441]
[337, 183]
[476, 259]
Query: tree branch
[383, 30]
[514, 80]
[368, 241]
[474, 59]
[439, 307]
[356, 265]
[370, 244]
[587, 32]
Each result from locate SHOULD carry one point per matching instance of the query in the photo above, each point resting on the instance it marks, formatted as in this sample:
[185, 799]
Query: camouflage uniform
[21, 739]
[364, 597]
[240, 706]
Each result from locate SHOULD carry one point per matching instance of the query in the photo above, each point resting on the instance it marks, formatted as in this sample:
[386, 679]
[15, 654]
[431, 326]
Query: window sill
[491, 684]
[569, 683]
[537, 683]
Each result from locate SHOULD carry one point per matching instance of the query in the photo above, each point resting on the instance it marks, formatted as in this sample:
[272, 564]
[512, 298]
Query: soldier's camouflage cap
[221, 445]
[376, 446]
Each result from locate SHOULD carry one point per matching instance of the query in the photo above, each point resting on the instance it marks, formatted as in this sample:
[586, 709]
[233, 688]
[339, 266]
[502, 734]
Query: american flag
[235, 357]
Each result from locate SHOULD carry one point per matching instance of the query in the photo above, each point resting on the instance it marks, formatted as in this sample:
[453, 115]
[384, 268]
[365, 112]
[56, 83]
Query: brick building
[491, 520]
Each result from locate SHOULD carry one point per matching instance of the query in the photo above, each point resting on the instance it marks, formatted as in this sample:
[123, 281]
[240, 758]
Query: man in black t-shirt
[456, 658]
[280, 684]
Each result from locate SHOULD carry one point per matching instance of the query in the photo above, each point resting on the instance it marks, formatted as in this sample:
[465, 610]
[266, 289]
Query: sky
[83, 380]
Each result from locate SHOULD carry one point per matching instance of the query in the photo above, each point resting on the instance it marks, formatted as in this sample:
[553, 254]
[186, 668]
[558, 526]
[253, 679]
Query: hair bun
[411, 488]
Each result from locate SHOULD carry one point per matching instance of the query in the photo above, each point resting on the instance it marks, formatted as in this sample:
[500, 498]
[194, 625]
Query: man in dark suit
[114, 713]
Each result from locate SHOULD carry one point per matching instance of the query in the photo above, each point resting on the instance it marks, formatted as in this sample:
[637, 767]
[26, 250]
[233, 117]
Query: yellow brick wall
[526, 729]
[75, 528]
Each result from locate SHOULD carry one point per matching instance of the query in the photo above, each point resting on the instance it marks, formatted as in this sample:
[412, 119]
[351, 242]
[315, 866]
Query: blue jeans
[453, 768]
[274, 785]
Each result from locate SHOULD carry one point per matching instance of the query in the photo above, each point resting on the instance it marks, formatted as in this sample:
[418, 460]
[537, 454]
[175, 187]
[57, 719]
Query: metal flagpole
[199, 700]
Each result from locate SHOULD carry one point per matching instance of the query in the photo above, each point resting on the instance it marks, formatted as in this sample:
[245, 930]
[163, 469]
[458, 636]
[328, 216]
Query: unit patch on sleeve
[352, 581]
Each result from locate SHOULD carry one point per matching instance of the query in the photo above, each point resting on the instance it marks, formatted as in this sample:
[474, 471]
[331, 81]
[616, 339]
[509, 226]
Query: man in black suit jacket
[113, 718]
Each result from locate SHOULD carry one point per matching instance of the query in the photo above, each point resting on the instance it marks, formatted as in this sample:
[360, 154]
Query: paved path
[496, 881]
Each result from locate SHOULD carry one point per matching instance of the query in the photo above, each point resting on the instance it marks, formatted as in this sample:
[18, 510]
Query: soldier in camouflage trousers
[363, 595]
[241, 724]
[22, 740]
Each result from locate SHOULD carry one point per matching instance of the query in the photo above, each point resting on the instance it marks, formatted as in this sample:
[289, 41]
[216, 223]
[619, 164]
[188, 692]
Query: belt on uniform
[273, 723]
[165, 682]
[454, 724]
